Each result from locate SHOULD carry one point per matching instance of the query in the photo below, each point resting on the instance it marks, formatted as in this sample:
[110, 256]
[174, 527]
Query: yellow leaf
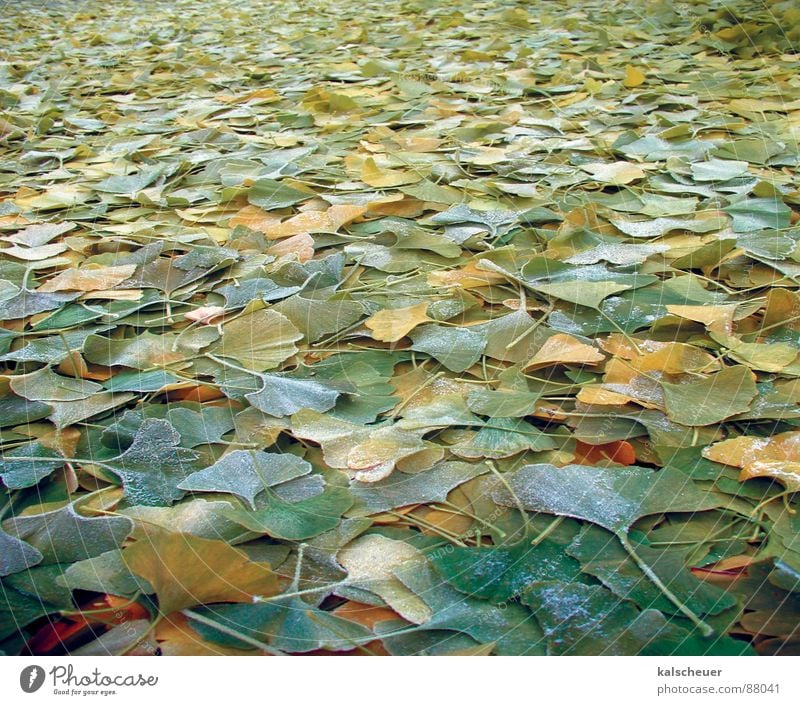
[260, 340]
[186, 570]
[391, 324]
[487, 156]
[90, 278]
[633, 77]
[716, 318]
[617, 173]
[417, 144]
[315, 221]
[777, 457]
[564, 349]
[466, 277]
[595, 394]
[377, 177]
[254, 218]
[371, 561]
[114, 294]
[677, 358]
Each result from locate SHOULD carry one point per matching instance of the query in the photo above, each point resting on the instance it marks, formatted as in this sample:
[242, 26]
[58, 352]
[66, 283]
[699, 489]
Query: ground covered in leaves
[399, 327]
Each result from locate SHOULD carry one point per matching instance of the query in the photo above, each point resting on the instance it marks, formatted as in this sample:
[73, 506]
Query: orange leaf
[315, 221]
[619, 452]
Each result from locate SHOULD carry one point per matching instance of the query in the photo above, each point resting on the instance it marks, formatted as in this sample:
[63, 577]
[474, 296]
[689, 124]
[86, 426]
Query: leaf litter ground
[400, 328]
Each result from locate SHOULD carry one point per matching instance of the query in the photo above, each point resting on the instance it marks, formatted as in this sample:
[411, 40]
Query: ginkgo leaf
[377, 177]
[261, 340]
[284, 396]
[16, 555]
[618, 173]
[707, 400]
[399, 489]
[65, 535]
[456, 348]
[246, 473]
[777, 457]
[585, 293]
[288, 624]
[315, 221]
[370, 562]
[634, 77]
[185, 570]
[499, 574]
[89, 278]
[613, 498]
[154, 465]
[389, 325]
[295, 520]
[34, 254]
[270, 194]
[46, 385]
[604, 557]
[716, 318]
[564, 349]
[26, 465]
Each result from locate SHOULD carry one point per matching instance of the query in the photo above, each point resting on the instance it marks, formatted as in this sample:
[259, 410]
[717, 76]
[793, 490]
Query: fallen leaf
[89, 278]
[390, 325]
[185, 570]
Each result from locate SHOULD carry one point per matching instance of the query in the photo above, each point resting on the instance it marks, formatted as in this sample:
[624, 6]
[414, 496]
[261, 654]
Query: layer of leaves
[399, 327]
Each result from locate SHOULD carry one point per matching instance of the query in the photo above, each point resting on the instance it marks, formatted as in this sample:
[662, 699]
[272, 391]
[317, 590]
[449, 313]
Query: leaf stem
[705, 629]
[230, 631]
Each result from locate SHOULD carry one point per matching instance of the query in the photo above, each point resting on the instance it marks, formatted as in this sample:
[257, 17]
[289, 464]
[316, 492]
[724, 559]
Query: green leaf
[400, 489]
[613, 498]
[718, 170]
[246, 473]
[288, 624]
[106, 573]
[295, 521]
[456, 348]
[501, 574]
[64, 536]
[18, 469]
[501, 402]
[601, 555]
[154, 465]
[136, 381]
[16, 555]
[283, 396]
[589, 293]
[270, 194]
[708, 400]
[502, 438]
[753, 214]
[510, 627]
